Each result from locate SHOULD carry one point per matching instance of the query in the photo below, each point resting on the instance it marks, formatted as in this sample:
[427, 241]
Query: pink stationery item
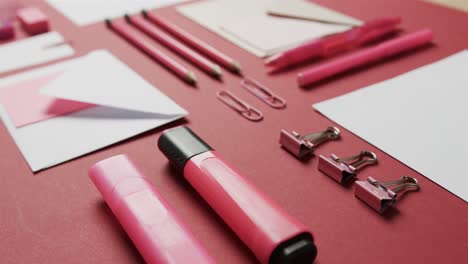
[33, 20]
[337, 43]
[343, 170]
[157, 232]
[364, 57]
[175, 45]
[304, 146]
[379, 196]
[243, 108]
[274, 236]
[25, 104]
[263, 93]
[195, 43]
[6, 29]
[145, 46]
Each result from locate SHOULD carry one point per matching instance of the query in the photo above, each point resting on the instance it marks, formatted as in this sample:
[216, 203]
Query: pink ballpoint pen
[334, 44]
[364, 57]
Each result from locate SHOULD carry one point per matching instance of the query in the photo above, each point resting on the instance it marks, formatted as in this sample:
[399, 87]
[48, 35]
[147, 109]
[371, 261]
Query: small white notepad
[419, 118]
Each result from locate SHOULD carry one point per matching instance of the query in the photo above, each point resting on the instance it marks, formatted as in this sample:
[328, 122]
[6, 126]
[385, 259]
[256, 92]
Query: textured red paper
[57, 216]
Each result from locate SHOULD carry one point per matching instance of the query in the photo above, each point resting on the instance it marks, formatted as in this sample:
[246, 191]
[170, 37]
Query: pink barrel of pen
[168, 41]
[196, 43]
[144, 45]
[364, 57]
[152, 225]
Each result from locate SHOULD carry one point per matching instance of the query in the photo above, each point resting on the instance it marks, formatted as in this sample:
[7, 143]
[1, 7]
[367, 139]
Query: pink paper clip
[243, 108]
[377, 194]
[263, 93]
[302, 146]
[344, 169]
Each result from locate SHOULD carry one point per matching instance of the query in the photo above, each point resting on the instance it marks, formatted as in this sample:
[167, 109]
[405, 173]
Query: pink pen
[270, 232]
[152, 225]
[337, 43]
[364, 57]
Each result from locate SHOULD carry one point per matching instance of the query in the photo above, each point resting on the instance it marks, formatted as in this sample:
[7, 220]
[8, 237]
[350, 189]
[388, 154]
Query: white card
[419, 118]
[85, 12]
[34, 50]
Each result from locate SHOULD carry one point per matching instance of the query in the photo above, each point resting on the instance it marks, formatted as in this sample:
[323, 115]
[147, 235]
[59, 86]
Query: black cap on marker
[180, 144]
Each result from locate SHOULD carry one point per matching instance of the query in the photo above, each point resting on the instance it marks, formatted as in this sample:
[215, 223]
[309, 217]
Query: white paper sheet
[34, 50]
[247, 24]
[85, 12]
[304, 9]
[51, 142]
[419, 118]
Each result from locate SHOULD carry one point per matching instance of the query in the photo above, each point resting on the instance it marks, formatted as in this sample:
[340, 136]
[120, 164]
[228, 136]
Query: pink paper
[25, 104]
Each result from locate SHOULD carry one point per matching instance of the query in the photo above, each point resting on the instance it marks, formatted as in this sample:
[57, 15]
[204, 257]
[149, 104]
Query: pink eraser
[157, 232]
[33, 20]
[6, 29]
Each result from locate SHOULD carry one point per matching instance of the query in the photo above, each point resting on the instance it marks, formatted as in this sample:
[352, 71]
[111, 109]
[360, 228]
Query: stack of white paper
[420, 118]
[247, 23]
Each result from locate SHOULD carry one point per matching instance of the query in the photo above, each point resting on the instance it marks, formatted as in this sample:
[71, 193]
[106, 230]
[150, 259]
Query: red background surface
[57, 215]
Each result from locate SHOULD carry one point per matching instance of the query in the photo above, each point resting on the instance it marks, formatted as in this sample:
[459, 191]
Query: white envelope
[127, 105]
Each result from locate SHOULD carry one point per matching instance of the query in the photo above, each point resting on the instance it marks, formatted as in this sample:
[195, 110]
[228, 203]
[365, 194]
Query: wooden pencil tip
[236, 67]
[108, 22]
[191, 78]
[217, 72]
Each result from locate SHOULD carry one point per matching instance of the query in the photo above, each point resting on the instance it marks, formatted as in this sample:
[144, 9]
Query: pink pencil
[173, 44]
[364, 57]
[149, 49]
[195, 43]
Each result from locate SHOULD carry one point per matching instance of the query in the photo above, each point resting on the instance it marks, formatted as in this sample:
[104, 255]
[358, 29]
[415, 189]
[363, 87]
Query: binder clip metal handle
[344, 169]
[301, 146]
[379, 196]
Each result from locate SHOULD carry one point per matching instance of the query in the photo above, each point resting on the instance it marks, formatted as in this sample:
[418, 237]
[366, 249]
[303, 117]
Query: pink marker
[364, 57]
[270, 232]
[152, 225]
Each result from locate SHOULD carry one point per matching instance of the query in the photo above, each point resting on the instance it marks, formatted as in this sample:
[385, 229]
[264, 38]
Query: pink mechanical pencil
[337, 43]
[271, 233]
[152, 225]
[365, 56]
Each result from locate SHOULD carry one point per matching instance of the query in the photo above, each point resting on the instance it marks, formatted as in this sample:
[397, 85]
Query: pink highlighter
[270, 232]
[152, 225]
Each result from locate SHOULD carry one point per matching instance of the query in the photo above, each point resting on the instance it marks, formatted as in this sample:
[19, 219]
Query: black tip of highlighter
[144, 13]
[298, 250]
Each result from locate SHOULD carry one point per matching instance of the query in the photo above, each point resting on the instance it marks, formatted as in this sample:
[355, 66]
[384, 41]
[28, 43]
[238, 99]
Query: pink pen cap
[152, 225]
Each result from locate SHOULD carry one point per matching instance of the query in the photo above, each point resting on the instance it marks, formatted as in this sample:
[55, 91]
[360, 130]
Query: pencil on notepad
[176, 46]
[152, 51]
[212, 53]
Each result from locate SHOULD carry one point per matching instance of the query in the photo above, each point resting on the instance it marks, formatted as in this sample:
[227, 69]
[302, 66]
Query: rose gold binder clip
[263, 93]
[243, 108]
[344, 169]
[379, 196]
[301, 146]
